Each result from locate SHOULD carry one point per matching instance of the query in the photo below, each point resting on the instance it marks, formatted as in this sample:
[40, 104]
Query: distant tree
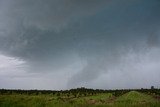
[152, 87]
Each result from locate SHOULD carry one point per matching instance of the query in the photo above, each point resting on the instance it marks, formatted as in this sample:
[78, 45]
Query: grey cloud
[30, 27]
[153, 40]
[129, 69]
[53, 35]
[52, 14]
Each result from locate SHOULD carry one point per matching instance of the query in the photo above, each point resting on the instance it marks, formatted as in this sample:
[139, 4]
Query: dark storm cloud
[54, 34]
[126, 28]
[34, 30]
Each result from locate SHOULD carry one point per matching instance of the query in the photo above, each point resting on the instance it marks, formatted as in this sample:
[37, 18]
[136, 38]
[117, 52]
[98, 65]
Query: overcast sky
[63, 44]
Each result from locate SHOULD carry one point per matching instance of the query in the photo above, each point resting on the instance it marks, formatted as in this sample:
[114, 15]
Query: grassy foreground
[130, 99]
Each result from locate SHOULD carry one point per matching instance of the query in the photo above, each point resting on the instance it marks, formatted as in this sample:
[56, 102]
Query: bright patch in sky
[10, 65]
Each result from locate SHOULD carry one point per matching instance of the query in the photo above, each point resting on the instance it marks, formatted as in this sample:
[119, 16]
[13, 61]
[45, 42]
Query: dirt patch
[157, 97]
[111, 100]
[91, 101]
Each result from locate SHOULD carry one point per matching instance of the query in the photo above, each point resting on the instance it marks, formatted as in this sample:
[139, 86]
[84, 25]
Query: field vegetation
[80, 97]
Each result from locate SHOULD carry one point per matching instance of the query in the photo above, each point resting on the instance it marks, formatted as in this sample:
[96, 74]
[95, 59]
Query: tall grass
[131, 99]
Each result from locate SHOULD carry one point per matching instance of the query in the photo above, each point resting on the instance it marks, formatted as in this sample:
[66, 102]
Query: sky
[64, 44]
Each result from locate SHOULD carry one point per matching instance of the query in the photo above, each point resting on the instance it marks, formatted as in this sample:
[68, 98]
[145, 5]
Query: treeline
[78, 92]
[150, 91]
[28, 92]
[75, 92]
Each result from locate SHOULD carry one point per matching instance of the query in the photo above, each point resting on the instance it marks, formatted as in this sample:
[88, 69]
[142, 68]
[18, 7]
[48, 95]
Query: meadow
[129, 98]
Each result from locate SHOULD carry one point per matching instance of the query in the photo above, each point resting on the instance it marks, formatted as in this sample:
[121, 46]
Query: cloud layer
[97, 44]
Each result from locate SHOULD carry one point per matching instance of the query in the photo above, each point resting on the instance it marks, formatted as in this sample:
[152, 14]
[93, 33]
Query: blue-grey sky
[63, 44]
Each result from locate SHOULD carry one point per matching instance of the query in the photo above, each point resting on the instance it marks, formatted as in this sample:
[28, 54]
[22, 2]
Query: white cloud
[10, 65]
[14, 74]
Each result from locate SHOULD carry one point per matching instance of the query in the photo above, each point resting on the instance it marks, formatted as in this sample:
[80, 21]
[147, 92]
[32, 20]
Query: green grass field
[130, 99]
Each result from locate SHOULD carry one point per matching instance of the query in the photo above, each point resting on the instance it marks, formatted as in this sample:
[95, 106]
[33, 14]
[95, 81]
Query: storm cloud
[63, 44]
